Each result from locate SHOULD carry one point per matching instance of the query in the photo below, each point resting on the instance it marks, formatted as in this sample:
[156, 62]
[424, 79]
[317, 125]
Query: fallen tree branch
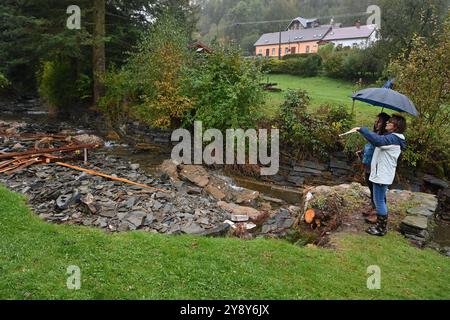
[96, 173]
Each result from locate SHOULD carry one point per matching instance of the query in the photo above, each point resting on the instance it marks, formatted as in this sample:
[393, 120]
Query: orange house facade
[295, 41]
[290, 48]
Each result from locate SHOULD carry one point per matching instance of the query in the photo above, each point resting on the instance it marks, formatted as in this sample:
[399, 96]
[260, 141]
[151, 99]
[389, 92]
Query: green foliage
[307, 135]
[225, 89]
[151, 83]
[4, 82]
[60, 84]
[351, 64]
[300, 65]
[423, 75]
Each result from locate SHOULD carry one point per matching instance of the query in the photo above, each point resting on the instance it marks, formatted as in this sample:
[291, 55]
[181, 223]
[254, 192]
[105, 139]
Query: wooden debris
[40, 152]
[96, 173]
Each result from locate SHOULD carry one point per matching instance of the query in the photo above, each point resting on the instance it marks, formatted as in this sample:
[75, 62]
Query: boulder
[170, 168]
[418, 222]
[215, 192]
[235, 209]
[195, 174]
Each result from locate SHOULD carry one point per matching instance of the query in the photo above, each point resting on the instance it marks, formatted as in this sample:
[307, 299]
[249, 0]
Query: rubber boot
[381, 227]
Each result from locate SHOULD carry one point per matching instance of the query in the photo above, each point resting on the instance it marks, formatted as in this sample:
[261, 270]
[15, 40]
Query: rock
[240, 210]
[136, 218]
[313, 165]
[421, 211]
[134, 166]
[192, 228]
[296, 180]
[247, 196]
[123, 227]
[64, 201]
[435, 182]
[157, 205]
[304, 171]
[193, 190]
[239, 218]
[170, 168]
[89, 202]
[219, 231]
[418, 222]
[337, 164]
[215, 192]
[108, 213]
[131, 202]
[195, 174]
[112, 135]
[270, 199]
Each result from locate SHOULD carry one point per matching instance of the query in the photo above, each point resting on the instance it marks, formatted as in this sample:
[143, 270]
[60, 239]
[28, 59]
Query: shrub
[57, 83]
[225, 90]
[424, 77]
[4, 82]
[299, 65]
[303, 134]
[150, 86]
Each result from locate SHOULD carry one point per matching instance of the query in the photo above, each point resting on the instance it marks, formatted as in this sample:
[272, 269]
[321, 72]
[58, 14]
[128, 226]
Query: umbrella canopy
[386, 98]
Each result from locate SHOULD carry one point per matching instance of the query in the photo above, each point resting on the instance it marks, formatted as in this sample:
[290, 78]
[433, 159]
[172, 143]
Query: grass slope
[321, 90]
[137, 265]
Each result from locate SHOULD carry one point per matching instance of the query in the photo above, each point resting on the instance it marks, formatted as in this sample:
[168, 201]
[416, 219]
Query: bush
[150, 86]
[299, 65]
[351, 64]
[225, 90]
[423, 76]
[305, 135]
[4, 82]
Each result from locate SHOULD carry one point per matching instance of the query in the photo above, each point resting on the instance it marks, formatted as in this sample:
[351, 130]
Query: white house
[356, 36]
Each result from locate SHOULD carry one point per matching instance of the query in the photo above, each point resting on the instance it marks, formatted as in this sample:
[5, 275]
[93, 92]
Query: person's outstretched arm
[377, 140]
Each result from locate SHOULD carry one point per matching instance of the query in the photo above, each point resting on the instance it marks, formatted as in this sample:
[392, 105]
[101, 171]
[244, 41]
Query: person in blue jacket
[384, 164]
[367, 154]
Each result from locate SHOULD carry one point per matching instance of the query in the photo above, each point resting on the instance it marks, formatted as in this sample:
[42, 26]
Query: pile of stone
[418, 224]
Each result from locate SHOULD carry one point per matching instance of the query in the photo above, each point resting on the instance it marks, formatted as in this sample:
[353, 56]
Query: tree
[423, 74]
[99, 59]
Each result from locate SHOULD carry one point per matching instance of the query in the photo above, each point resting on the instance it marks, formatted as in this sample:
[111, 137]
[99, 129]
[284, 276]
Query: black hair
[384, 118]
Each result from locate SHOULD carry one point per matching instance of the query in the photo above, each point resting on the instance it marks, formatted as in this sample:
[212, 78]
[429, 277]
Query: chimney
[358, 24]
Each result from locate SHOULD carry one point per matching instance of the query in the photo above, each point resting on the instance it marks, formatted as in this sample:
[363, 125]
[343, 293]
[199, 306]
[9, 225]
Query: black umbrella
[386, 98]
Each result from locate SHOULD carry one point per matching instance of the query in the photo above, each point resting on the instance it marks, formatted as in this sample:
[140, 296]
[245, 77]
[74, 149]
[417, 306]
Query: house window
[273, 51]
[308, 49]
[260, 51]
[286, 51]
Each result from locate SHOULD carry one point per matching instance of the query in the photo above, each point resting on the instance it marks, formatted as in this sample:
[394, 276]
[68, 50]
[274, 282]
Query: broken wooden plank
[100, 174]
[25, 165]
[39, 152]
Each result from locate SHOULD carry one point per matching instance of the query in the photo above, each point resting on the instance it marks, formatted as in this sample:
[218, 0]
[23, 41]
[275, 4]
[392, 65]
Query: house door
[267, 52]
[293, 50]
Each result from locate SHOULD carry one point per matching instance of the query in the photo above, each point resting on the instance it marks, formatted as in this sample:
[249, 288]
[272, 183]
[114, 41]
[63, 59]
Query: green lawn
[137, 265]
[321, 90]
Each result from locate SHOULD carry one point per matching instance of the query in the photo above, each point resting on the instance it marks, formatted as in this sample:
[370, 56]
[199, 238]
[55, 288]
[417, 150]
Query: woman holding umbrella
[383, 166]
